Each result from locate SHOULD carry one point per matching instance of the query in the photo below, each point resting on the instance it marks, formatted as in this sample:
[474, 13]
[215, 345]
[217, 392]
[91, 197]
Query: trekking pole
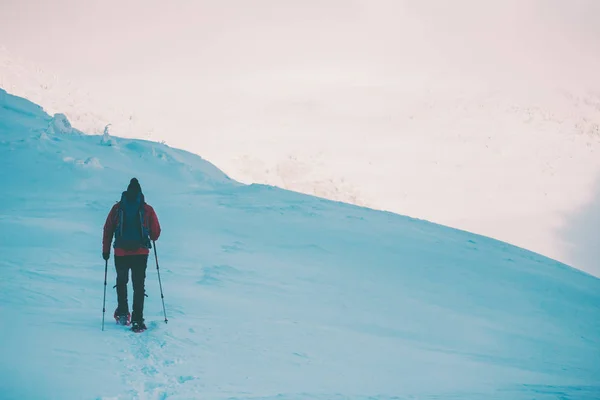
[104, 301]
[159, 283]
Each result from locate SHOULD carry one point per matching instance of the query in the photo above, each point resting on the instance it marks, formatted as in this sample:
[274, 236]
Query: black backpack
[130, 232]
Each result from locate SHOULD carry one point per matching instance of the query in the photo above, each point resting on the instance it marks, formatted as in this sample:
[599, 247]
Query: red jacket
[150, 223]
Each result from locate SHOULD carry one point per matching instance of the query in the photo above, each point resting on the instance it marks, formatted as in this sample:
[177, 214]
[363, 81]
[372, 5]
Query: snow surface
[270, 294]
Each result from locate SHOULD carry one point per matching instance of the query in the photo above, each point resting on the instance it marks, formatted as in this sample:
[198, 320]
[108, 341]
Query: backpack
[130, 232]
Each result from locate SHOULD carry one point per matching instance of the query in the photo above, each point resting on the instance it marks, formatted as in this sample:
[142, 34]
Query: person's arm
[154, 225]
[109, 230]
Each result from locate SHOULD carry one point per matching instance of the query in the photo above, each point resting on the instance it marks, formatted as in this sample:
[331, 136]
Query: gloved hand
[106, 256]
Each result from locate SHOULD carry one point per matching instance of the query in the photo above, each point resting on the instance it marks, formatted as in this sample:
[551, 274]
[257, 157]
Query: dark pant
[137, 264]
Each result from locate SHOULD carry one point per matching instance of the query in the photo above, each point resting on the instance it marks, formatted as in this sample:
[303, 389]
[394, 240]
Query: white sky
[338, 85]
[205, 53]
[97, 40]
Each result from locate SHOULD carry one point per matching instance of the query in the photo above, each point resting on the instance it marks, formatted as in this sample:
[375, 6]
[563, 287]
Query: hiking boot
[138, 326]
[122, 319]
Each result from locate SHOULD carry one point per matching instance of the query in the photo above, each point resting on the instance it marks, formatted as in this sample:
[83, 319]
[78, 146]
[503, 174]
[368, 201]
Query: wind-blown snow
[270, 294]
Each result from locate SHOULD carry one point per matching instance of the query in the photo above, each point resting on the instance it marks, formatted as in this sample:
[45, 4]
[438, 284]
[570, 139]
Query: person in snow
[134, 225]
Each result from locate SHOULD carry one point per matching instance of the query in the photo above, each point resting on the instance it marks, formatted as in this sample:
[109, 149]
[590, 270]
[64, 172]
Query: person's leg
[122, 266]
[138, 278]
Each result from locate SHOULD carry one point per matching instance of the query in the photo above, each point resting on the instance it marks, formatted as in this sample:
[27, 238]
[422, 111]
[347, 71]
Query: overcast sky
[135, 40]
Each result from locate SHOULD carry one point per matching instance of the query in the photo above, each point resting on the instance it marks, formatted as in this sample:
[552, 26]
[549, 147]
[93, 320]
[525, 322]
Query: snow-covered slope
[270, 294]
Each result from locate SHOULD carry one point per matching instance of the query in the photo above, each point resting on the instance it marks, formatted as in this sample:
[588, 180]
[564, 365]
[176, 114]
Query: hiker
[134, 225]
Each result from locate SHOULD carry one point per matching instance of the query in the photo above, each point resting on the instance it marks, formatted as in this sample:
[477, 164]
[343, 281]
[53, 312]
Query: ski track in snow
[149, 361]
[147, 367]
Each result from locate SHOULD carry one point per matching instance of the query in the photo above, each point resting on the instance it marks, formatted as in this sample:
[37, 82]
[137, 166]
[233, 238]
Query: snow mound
[90, 162]
[107, 140]
[60, 125]
[93, 162]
